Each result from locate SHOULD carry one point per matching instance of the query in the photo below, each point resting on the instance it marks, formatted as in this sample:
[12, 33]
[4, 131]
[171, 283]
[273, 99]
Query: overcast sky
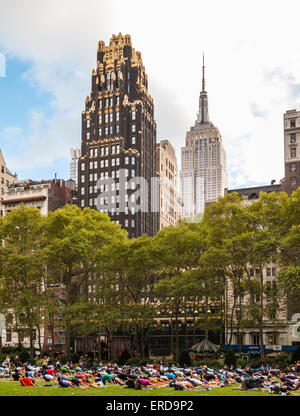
[252, 75]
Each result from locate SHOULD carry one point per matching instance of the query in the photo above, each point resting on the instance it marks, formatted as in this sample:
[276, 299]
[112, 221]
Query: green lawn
[13, 388]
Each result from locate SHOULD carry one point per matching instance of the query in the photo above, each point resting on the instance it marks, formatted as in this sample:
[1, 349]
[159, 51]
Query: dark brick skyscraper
[119, 132]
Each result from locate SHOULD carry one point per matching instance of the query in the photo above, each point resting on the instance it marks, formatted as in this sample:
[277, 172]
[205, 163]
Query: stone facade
[75, 155]
[252, 193]
[6, 179]
[119, 134]
[46, 195]
[291, 151]
[170, 199]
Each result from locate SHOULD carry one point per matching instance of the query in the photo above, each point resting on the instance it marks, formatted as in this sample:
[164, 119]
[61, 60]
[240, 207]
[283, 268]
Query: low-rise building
[46, 195]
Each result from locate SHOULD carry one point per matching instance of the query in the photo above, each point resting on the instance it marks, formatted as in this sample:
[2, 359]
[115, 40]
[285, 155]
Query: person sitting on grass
[16, 375]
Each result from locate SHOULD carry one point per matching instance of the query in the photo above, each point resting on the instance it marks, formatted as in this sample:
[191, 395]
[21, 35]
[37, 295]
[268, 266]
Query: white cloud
[12, 133]
[252, 69]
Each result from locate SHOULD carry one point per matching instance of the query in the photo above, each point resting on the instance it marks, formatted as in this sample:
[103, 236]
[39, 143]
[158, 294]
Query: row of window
[110, 130]
[2, 181]
[104, 150]
[109, 118]
[93, 177]
[104, 163]
[109, 102]
[271, 339]
[116, 211]
[269, 272]
[132, 223]
[114, 198]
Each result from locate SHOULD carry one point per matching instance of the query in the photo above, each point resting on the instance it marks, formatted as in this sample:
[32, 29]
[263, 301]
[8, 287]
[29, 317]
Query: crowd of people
[151, 376]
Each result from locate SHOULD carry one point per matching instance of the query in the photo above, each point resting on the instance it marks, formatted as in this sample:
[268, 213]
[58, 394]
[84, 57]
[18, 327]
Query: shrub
[296, 355]
[75, 358]
[135, 361]
[230, 358]
[184, 359]
[256, 363]
[282, 361]
[124, 357]
[243, 363]
[22, 352]
[145, 361]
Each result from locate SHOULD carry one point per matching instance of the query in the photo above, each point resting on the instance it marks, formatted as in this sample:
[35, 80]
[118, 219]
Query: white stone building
[203, 162]
[75, 155]
[169, 197]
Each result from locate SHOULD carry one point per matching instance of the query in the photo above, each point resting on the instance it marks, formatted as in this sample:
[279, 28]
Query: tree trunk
[194, 326]
[261, 316]
[68, 342]
[39, 337]
[172, 338]
[221, 323]
[52, 337]
[31, 345]
[239, 317]
[142, 343]
[99, 346]
[177, 337]
[206, 317]
[85, 342]
[231, 318]
[20, 345]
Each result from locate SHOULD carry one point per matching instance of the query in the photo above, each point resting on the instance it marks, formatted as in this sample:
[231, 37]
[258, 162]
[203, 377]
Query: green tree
[23, 272]
[76, 243]
[133, 268]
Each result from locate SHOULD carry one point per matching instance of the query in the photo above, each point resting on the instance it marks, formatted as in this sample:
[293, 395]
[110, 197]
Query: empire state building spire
[203, 75]
[203, 101]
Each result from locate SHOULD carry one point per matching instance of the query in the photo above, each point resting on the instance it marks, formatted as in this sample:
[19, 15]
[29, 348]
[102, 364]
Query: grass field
[13, 388]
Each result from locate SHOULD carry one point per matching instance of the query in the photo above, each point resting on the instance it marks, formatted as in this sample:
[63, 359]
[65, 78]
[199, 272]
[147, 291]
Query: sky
[48, 50]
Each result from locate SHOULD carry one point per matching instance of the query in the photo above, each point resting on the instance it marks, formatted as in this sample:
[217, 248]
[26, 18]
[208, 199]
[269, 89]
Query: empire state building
[203, 173]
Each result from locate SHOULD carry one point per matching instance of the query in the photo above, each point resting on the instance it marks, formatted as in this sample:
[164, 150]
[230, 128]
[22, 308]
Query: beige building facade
[291, 120]
[6, 179]
[169, 198]
[46, 195]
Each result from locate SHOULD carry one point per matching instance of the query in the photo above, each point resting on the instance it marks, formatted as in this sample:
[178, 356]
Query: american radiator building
[203, 173]
[119, 139]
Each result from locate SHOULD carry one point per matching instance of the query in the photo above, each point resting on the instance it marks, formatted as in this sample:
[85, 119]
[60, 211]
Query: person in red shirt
[51, 371]
[28, 382]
